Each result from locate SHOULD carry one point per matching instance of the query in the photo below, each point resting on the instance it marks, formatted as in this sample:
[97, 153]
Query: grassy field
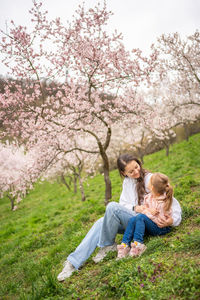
[36, 239]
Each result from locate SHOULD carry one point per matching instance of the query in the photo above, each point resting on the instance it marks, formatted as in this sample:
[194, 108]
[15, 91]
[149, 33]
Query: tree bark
[140, 154]
[75, 184]
[108, 189]
[65, 182]
[187, 134]
[167, 149]
[142, 158]
[12, 201]
[81, 188]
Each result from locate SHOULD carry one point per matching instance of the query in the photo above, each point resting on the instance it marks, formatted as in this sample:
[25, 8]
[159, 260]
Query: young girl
[157, 205]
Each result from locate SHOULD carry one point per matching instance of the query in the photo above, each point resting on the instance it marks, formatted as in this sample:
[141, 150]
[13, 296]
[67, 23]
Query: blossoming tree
[177, 73]
[92, 67]
[19, 170]
[72, 165]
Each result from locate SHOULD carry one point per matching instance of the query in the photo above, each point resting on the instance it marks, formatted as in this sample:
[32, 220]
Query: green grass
[49, 224]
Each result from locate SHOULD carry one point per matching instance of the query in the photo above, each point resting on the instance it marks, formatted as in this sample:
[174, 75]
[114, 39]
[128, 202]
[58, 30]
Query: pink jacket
[157, 203]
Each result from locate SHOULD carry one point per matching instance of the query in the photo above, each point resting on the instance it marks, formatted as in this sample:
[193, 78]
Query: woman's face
[132, 170]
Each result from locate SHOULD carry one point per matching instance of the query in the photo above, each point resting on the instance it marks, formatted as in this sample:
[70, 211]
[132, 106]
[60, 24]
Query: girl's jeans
[102, 233]
[140, 225]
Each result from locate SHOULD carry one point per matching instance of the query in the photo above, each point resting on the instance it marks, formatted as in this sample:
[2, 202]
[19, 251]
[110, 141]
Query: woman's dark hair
[122, 162]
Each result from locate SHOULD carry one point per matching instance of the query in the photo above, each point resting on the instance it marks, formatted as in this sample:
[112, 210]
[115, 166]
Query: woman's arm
[129, 198]
[176, 212]
[175, 220]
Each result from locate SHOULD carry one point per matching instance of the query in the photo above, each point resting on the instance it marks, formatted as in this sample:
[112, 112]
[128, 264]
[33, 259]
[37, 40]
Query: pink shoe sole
[137, 250]
[122, 251]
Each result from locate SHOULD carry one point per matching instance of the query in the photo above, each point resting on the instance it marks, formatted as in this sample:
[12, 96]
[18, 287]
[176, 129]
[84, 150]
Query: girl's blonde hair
[160, 182]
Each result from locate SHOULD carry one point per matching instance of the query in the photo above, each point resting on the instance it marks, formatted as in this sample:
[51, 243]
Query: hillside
[36, 239]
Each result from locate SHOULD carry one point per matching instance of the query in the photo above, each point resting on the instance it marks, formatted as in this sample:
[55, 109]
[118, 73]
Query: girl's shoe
[137, 249]
[123, 251]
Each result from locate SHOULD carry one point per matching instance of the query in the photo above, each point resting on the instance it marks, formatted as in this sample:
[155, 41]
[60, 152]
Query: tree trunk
[102, 151]
[81, 188]
[75, 184]
[108, 190]
[65, 182]
[141, 156]
[187, 132]
[167, 149]
[12, 201]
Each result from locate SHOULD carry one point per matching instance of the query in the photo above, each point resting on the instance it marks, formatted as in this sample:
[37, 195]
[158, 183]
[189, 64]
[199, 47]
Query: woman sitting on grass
[103, 232]
[157, 204]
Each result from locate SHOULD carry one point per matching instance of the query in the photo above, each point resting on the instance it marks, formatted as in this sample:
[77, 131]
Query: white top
[129, 197]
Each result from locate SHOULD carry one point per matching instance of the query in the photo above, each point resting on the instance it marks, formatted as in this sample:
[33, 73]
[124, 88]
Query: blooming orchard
[71, 166]
[20, 169]
[177, 75]
[93, 67]
[75, 83]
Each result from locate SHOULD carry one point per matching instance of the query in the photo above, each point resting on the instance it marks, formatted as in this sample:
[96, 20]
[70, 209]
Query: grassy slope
[50, 223]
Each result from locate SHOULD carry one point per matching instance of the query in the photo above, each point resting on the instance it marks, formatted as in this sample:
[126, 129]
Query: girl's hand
[139, 208]
[163, 222]
[153, 211]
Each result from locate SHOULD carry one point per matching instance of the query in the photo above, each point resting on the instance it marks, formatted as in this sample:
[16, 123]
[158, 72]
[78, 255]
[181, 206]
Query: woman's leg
[129, 232]
[102, 233]
[144, 224]
[115, 221]
[87, 246]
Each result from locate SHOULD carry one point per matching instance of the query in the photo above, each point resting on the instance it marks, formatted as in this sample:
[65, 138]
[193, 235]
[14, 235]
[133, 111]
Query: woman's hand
[163, 222]
[139, 208]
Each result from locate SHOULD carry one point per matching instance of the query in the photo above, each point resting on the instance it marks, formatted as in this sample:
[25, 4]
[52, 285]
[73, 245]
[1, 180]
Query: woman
[117, 215]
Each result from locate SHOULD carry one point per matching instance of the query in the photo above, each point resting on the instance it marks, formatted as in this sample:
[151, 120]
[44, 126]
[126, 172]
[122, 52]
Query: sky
[140, 21]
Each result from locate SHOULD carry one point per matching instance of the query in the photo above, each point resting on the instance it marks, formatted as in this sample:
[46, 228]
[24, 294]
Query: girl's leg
[115, 221]
[124, 248]
[144, 224]
[129, 232]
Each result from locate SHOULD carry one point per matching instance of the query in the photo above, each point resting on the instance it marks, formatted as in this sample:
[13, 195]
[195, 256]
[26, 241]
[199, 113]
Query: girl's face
[132, 170]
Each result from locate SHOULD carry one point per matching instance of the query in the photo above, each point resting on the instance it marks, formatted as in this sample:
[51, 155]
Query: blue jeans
[102, 233]
[138, 226]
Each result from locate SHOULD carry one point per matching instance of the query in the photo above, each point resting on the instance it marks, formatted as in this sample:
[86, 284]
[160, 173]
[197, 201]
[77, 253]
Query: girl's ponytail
[161, 185]
[169, 196]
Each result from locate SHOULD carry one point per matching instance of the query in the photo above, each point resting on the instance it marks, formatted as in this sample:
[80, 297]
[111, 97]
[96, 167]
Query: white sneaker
[103, 252]
[66, 272]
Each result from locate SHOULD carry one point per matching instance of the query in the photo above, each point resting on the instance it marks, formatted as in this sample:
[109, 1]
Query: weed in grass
[197, 220]
[156, 244]
[39, 241]
[188, 211]
[190, 242]
[183, 187]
